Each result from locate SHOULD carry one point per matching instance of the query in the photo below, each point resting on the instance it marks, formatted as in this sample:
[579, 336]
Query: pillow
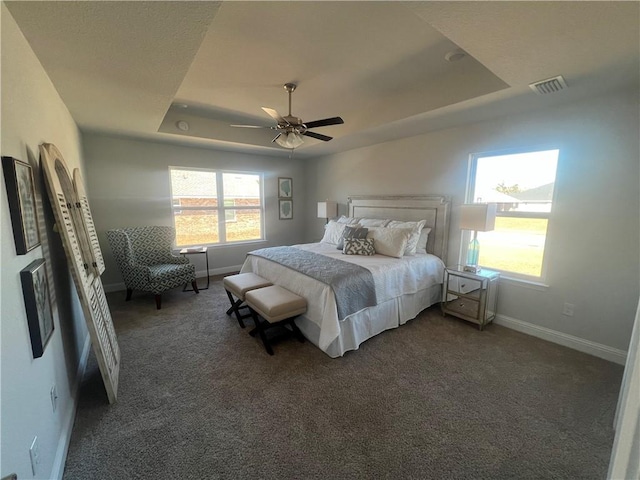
[414, 237]
[424, 238]
[352, 232]
[348, 220]
[333, 232]
[391, 242]
[358, 246]
[373, 222]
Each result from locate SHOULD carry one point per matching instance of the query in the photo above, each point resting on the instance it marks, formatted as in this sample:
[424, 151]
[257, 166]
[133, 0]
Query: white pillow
[373, 222]
[348, 220]
[416, 229]
[391, 242]
[333, 232]
[424, 238]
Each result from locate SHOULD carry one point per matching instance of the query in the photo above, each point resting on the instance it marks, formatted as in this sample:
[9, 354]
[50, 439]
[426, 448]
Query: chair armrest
[177, 260]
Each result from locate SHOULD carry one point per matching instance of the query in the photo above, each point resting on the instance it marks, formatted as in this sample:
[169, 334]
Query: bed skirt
[369, 322]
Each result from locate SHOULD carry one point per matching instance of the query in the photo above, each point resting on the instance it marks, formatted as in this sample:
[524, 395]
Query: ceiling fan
[291, 129]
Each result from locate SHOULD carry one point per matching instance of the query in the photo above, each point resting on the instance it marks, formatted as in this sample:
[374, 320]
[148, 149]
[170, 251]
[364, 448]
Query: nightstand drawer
[465, 306]
[465, 285]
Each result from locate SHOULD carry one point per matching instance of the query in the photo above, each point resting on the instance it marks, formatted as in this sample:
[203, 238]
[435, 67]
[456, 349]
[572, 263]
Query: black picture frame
[18, 178]
[285, 209]
[37, 302]
[285, 187]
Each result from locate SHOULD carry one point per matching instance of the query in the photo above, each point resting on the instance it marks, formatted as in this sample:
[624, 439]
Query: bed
[403, 286]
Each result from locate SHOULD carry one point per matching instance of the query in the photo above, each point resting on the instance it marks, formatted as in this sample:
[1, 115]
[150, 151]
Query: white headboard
[432, 208]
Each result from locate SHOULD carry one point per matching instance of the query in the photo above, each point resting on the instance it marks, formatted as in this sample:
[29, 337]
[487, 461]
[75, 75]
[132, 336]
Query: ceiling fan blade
[248, 126]
[325, 122]
[319, 136]
[276, 137]
[275, 115]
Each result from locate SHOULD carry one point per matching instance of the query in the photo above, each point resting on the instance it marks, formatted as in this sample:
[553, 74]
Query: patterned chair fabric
[146, 262]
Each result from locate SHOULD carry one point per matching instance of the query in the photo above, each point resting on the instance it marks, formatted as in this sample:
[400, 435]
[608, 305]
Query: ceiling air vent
[549, 85]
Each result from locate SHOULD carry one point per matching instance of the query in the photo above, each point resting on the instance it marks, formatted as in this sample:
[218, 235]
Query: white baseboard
[67, 425]
[119, 287]
[586, 346]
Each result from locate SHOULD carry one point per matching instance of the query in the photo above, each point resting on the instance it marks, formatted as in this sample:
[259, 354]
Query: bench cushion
[275, 303]
[241, 283]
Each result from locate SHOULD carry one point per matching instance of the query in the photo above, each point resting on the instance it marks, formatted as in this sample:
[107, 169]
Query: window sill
[519, 282]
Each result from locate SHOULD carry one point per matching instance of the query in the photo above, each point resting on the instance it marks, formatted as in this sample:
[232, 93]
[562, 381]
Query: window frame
[469, 198]
[221, 208]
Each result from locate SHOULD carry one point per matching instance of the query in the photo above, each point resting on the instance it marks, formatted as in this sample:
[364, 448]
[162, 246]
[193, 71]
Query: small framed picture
[285, 187]
[21, 194]
[286, 209]
[37, 301]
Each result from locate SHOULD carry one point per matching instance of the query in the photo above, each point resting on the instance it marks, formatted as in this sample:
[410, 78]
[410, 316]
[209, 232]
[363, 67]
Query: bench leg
[260, 330]
[195, 286]
[158, 301]
[234, 308]
[129, 292]
[296, 330]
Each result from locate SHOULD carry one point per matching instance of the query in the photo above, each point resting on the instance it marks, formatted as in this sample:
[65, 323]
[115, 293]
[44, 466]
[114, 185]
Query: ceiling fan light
[290, 140]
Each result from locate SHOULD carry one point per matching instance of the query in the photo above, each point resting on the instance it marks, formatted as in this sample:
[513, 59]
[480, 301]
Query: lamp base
[472, 268]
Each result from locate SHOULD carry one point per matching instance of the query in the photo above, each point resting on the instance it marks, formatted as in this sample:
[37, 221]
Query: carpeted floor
[200, 399]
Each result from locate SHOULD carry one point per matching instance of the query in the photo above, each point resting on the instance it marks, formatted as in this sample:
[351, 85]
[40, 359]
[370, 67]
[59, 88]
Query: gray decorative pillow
[352, 232]
[358, 246]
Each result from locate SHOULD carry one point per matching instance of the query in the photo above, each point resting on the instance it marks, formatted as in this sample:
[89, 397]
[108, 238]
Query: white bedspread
[393, 277]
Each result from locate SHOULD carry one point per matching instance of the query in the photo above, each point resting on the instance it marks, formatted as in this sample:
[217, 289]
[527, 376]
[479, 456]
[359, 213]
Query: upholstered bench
[278, 306]
[238, 286]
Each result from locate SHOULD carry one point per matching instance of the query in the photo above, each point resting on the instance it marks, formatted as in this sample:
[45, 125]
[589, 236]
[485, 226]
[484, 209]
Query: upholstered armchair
[146, 262]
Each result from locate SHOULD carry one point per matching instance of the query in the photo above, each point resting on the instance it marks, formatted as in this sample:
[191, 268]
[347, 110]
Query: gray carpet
[200, 399]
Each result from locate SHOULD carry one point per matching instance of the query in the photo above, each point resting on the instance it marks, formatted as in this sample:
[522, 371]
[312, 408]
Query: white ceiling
[124, 67]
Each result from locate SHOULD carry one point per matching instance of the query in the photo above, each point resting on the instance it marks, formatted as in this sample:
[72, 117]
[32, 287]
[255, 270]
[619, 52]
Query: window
[522, 184]
[212, 206]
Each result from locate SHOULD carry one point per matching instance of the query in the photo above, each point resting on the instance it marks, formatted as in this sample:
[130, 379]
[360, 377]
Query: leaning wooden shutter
[97, 261]
[80, 255]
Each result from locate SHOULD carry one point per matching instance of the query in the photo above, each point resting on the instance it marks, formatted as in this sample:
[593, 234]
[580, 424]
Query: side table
[196, 251]
[470, 296]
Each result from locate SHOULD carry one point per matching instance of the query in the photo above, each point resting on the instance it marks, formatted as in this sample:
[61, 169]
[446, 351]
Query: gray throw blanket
[352, 285]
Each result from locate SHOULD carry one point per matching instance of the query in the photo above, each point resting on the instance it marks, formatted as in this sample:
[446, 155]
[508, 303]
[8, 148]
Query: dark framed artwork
[18, 177]
[37, 302]
[285, 187]
[286, 209]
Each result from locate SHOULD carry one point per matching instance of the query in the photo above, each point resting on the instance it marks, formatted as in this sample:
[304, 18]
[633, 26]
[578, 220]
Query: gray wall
[128, 185]
[594, 235]
[33, 113]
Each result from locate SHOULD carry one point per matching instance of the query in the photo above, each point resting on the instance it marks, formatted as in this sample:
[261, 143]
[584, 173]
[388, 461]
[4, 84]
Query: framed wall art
[286, 209]
[18, 177]
[285, 187]
[37, 301]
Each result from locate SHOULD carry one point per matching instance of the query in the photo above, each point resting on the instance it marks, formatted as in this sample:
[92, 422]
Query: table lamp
[479, 217]
[327, 210]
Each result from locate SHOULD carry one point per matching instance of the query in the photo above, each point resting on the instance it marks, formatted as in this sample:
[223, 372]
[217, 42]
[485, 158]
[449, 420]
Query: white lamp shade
[327, 209]
[480, 217]
[290, 140]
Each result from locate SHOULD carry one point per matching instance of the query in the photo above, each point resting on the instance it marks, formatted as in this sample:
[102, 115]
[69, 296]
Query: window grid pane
[196, 206]
[522, 186]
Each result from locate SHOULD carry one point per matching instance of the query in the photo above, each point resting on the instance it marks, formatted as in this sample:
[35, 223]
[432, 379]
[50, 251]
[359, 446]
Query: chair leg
[158, 301]
[194, 284]
[129, 292]
[260, 331]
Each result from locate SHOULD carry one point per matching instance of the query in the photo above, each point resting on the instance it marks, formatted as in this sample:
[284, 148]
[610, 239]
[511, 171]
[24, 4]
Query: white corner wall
[593, 242]
[32, 113]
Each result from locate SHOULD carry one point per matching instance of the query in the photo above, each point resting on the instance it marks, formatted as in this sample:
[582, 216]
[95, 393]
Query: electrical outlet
[34, 453]
[568, 309]
[54, 398]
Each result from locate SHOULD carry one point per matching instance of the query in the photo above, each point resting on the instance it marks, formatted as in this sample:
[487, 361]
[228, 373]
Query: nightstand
[470, 296]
